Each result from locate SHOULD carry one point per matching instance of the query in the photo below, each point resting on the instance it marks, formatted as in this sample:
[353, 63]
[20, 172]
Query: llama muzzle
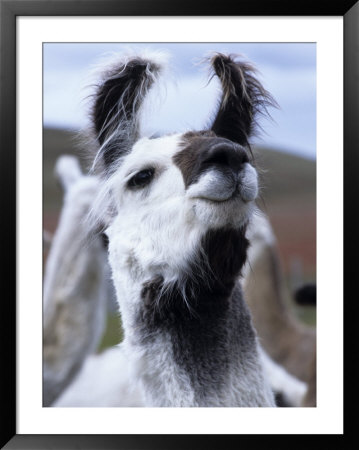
[223, 173]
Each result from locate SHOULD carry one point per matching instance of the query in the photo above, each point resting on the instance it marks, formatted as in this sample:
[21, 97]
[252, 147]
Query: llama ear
[118, 99]
[243, 97]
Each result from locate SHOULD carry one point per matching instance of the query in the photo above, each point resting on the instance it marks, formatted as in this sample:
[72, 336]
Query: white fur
[280, 380]
[157, 231]
[105, 380]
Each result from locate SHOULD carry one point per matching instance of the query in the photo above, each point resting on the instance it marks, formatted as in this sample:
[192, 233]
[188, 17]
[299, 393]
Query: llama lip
[216, 200]
[214, 186]
[218, 187]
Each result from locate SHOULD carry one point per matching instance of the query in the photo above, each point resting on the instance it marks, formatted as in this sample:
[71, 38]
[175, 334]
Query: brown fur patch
[193, 160]
[186, 159]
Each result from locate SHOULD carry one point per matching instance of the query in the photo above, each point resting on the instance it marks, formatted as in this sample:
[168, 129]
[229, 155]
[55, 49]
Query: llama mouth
[219, 187]
[213, 200]
[241, 193]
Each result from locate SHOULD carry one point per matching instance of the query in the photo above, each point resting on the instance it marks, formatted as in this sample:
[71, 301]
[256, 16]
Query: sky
[287, 71]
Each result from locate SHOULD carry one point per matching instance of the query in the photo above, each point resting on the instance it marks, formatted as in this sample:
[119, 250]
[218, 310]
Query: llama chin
[232, 213]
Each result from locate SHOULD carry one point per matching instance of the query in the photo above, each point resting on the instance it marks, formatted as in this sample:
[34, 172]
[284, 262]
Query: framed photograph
[48, 49]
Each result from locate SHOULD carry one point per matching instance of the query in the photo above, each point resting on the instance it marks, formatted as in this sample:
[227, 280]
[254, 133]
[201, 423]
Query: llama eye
[141, 178]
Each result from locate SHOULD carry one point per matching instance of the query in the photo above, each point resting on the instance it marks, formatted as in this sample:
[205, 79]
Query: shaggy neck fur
[194, 344]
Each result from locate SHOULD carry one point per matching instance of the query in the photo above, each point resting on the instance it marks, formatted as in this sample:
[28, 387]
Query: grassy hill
[284, 175]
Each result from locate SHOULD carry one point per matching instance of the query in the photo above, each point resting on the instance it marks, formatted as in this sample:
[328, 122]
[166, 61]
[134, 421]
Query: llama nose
[225, 156]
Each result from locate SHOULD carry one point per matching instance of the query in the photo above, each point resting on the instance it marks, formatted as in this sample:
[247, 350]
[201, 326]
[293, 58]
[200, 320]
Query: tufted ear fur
[118, 98]
[243, 97]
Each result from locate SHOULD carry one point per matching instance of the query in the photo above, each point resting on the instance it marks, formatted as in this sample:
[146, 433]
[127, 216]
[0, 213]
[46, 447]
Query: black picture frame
[9, 10]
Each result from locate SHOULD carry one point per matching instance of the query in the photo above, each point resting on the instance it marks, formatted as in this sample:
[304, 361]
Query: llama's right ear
[243, 98]
[118, 98]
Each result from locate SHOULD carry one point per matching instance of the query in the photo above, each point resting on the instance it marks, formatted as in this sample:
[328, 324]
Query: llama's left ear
[243, 97]
[117, 101]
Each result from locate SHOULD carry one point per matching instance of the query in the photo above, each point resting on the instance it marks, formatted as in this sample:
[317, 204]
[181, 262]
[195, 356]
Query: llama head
[167, 193]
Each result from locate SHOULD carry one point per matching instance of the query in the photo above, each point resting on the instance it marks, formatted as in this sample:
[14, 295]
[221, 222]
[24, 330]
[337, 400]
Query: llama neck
[195, 336]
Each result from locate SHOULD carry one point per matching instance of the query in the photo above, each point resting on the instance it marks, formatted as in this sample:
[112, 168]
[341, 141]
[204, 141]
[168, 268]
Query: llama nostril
[218, 156]
[226, 155]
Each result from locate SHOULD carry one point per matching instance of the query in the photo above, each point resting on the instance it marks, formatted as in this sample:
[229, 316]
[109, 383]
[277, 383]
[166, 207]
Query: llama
[74, 288]
[179, 207]
[286, 340]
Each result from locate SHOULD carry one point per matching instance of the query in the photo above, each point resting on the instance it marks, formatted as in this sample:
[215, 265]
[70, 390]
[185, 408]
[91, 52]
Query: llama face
[169, 192]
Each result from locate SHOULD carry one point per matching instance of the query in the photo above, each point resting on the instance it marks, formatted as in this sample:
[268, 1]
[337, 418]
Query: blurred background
[285, 147]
